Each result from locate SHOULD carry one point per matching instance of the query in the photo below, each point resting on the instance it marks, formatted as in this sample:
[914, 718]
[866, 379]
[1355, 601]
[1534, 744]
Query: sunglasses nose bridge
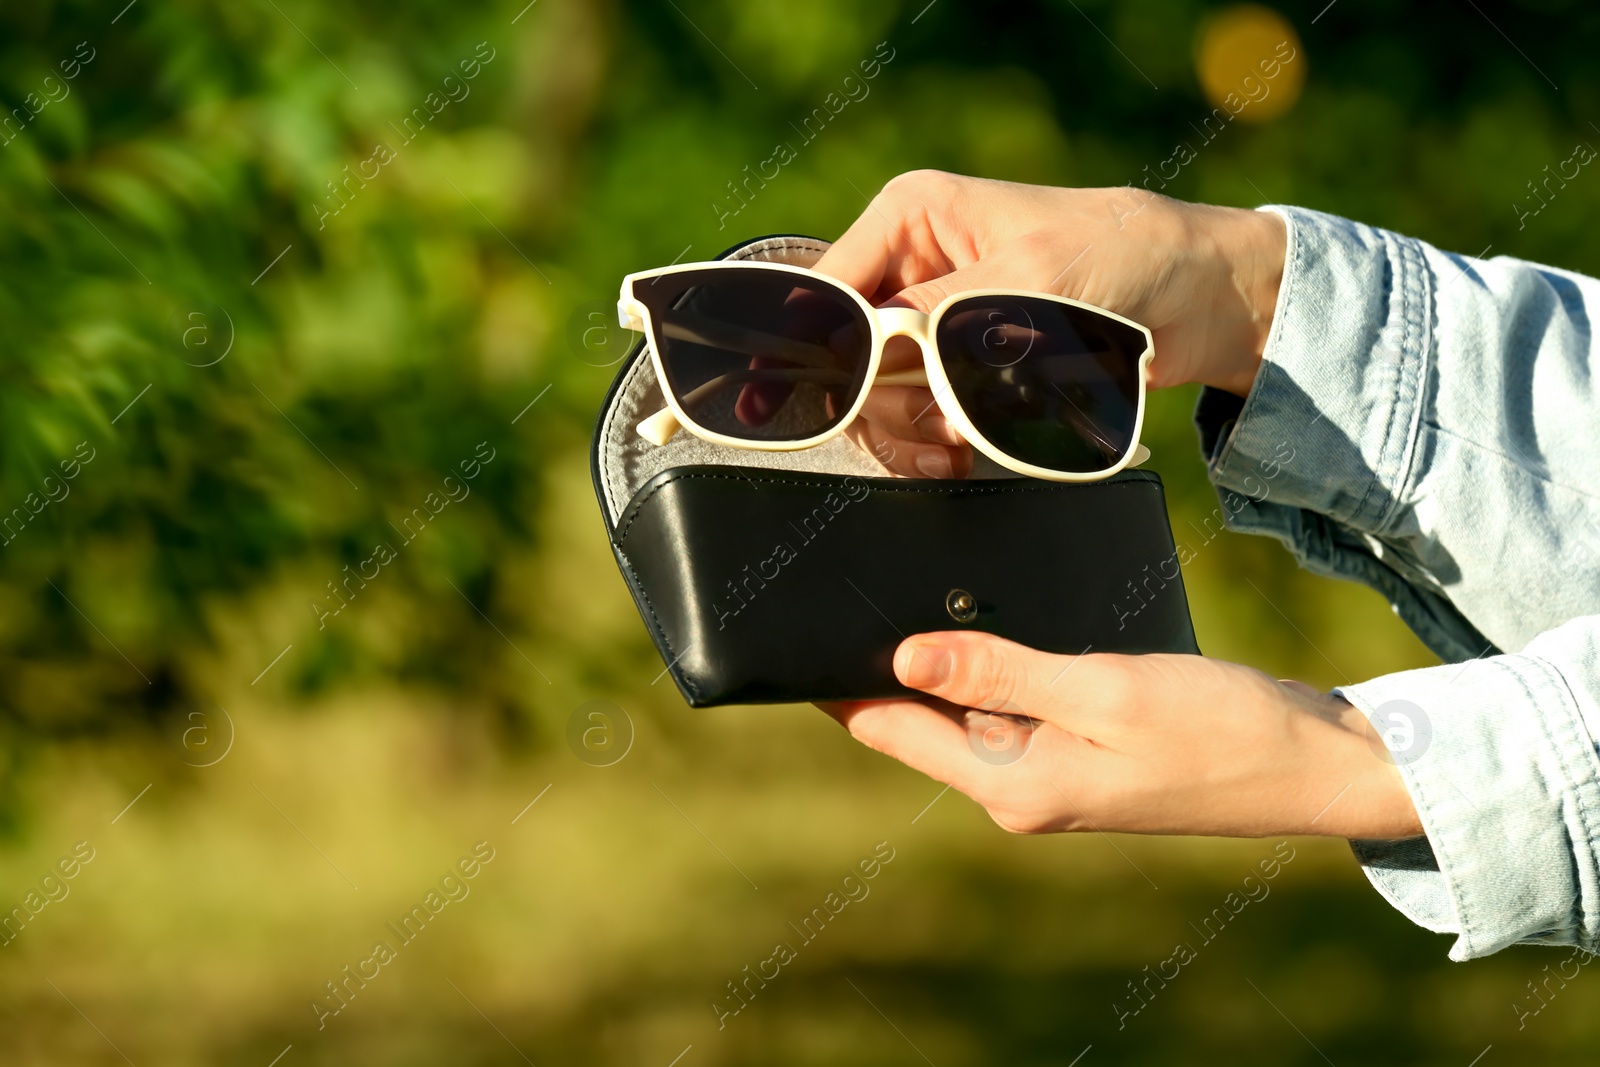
[903, 322]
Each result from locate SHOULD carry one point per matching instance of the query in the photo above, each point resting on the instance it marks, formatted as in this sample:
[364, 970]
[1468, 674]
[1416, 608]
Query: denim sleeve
[1425, 423]
[1496, 755]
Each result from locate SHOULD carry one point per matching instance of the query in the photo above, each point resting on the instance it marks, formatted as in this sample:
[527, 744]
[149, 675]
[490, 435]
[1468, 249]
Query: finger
[920, 736]
[909, 413]
[896, 241]
[999, 271]
[910, 459]
[862, 255]
[983, 671]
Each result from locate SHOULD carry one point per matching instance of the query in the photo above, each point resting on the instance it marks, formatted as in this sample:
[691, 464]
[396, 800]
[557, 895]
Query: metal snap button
[962, 605]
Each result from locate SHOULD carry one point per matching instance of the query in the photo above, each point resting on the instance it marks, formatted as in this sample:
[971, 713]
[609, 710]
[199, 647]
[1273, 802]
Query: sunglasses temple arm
[917, 376]
[659, 428]
[681, 326]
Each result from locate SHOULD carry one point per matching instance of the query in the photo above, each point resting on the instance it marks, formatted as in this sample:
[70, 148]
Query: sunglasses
[778, 358]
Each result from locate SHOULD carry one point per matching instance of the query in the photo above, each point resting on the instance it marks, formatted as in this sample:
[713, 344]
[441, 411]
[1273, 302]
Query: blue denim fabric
[1429, 424]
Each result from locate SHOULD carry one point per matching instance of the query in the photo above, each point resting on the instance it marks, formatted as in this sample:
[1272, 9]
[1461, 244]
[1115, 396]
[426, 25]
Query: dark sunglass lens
[763, 355]
[1047, 383]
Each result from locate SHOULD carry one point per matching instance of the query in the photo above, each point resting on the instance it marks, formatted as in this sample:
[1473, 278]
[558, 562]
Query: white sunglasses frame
[659, 428]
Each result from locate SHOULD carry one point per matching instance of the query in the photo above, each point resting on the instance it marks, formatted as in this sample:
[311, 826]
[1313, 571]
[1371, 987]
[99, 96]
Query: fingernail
[934, 463]
[921, 666]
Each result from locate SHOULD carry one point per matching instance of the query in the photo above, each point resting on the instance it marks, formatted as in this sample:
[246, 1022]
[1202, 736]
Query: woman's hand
[1158, 744]
[1203, 279]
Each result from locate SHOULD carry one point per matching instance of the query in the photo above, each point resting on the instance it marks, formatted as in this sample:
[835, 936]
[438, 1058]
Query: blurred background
[270, 270]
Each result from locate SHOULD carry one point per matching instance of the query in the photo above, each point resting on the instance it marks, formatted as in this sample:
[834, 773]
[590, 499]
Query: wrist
[1242, 253]
[1350, 786]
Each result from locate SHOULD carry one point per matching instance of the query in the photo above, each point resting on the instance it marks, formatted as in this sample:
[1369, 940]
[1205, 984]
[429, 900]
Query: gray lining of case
[628, 461]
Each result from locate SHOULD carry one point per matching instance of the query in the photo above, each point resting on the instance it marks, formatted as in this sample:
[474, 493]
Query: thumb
[979, 670]
[996, 272]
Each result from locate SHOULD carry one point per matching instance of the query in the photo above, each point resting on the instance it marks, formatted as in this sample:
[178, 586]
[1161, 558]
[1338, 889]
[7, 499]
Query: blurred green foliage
[171, 202]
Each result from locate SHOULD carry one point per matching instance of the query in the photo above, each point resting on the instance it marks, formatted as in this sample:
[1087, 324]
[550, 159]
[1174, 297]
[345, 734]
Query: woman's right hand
[1204, 280]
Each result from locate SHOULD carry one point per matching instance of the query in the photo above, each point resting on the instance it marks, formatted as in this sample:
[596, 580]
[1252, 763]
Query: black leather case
[783, 577]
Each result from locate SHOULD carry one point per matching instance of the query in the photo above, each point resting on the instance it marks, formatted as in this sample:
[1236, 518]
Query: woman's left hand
[1155, 744]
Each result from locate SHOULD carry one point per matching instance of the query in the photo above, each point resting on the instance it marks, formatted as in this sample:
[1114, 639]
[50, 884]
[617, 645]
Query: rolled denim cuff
[1500, 765]
[1322, 454]
[1331, 422]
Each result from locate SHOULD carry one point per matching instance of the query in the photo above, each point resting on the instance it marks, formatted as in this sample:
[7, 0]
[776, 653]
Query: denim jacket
[1429, 424]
